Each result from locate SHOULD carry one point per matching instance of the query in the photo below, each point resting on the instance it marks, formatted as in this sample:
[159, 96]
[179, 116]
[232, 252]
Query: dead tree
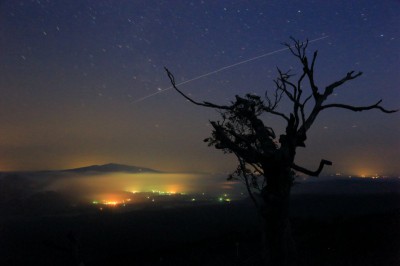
[266, 164]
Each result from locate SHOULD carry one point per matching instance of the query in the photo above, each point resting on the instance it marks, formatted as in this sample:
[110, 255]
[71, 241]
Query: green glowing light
[95, 202]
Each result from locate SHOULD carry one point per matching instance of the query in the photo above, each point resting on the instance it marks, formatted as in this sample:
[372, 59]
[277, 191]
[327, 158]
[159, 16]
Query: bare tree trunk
[279, 247]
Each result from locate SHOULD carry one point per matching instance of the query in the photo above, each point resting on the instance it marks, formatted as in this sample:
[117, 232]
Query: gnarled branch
[271, 111]
[299, 51]
[349, 76]
[205, 104]
[358, 108]
[309, 172]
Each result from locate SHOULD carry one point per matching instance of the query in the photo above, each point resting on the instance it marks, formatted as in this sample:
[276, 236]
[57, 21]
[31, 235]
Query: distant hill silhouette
[111, 167]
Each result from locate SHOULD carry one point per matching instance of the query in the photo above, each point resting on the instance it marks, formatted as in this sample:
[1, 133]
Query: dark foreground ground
[329, 230]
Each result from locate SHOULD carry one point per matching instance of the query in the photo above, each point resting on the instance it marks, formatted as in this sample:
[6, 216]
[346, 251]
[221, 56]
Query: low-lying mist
[116, 186]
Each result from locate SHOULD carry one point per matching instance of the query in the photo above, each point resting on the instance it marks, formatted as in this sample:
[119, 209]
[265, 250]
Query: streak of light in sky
[222, 69]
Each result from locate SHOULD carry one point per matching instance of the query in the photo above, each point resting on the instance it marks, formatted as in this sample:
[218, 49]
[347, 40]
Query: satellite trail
[222, 69]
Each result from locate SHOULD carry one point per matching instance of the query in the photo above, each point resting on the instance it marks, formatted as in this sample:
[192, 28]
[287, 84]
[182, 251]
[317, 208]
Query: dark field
[328, 230]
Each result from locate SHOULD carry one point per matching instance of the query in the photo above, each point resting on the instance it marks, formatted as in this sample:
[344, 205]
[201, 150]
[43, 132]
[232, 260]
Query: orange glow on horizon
[112, 203]
[363, 171]
[368, 174]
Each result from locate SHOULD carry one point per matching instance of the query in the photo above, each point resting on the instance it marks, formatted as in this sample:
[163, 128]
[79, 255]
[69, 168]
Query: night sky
[73, 75]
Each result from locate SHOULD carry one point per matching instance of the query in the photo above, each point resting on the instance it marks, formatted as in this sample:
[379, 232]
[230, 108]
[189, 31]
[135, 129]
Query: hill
[111, 167]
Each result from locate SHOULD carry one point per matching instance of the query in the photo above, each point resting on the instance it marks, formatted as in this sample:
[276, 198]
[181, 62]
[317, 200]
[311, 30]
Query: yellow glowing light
[365, 172]
[111, 203]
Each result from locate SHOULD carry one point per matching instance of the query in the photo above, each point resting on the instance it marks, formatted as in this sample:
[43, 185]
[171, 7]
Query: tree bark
[279, 247]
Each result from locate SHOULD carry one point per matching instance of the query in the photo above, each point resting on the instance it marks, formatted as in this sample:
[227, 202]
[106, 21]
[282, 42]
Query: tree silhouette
[266, 164]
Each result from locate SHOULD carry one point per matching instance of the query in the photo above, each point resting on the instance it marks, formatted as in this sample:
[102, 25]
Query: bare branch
[329, 89]
[309, 172]
[309, 71]
[281, 83]
[306, 100]
[277, 98]
[303, 116]
[271, 111]
[205, 104]
[358, 108]
[313, 60]
[320, 98]
[270, 104]
[299, 51]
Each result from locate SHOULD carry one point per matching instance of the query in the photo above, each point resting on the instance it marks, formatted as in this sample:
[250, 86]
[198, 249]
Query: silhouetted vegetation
[266, 162]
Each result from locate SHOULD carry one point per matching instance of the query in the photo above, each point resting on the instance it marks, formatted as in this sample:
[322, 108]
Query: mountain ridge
[111, 167]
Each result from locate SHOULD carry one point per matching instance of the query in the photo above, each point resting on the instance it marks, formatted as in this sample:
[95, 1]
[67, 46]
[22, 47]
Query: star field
[72, 73]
